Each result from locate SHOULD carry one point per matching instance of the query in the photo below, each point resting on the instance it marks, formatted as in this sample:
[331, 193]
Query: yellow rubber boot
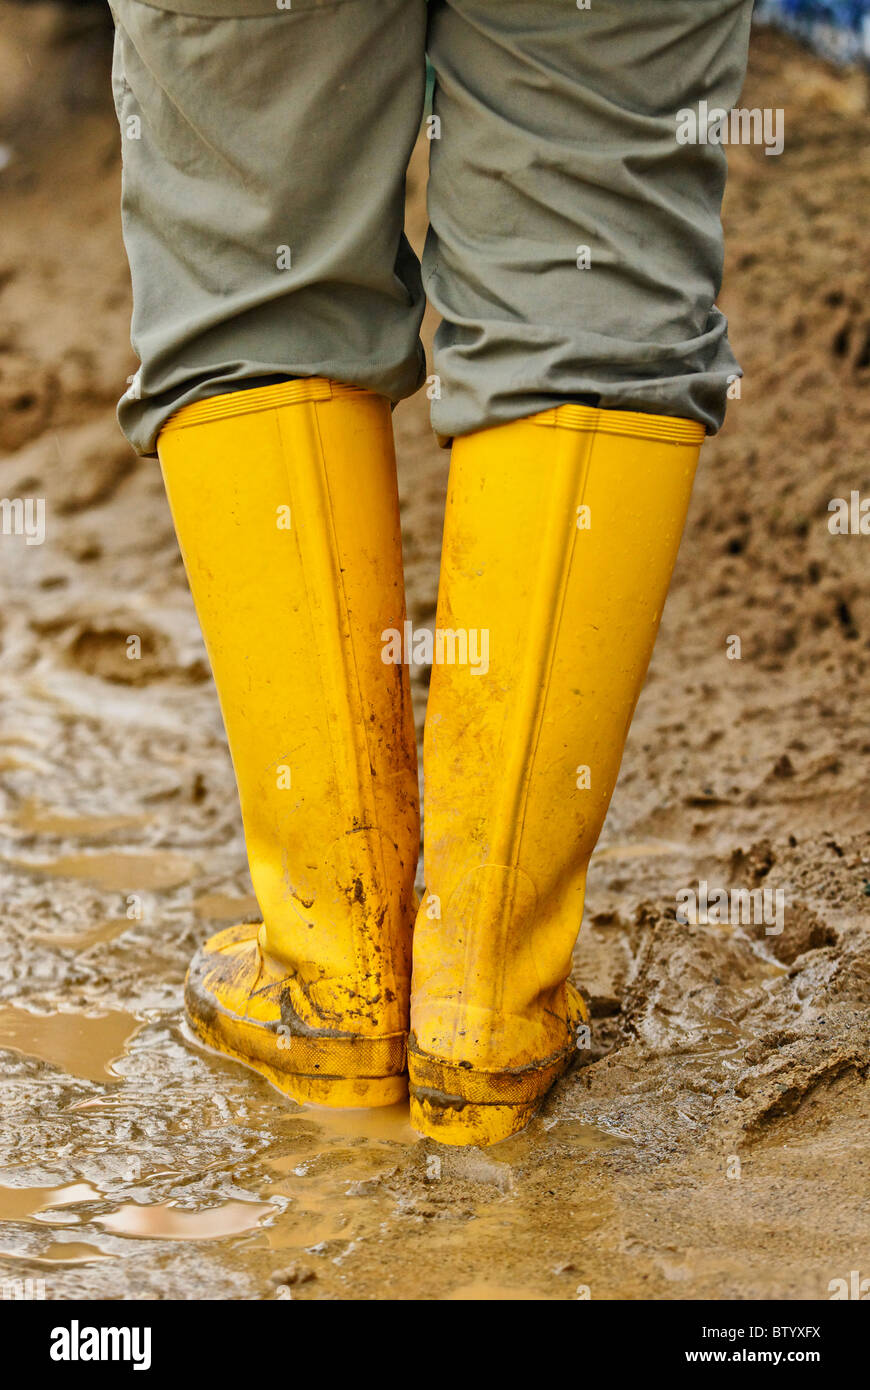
[560, 538]
[285, 503]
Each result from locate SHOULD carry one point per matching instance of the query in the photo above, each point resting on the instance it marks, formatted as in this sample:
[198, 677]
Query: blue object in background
[838, 29]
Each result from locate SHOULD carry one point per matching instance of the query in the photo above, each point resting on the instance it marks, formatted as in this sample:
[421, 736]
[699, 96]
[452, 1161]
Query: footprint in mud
[76, 469]
[27, 391]
[851, 343]
[134, 653]
[802, 931]
[125, 657]
[692, 985]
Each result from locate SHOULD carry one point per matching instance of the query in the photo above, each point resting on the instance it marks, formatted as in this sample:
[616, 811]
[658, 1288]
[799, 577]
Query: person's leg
[558, 138]
[558, 127]
[264, 152]
[285, 503]
[263, 218]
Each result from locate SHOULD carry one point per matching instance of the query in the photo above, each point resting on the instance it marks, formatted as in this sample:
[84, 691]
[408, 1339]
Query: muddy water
[114, 870]
[713, 1140]
[80, 1045]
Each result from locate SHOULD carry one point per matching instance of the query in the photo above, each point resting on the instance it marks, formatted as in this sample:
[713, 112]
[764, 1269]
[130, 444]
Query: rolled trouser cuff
[273, 397]
[473, 397]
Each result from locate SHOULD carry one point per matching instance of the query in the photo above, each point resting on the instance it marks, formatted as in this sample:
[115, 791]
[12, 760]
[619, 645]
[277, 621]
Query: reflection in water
[23, 1203]
[329, 1184]
[331, 1173]
[81, 1045]
[388, 1123]
[163, 1221]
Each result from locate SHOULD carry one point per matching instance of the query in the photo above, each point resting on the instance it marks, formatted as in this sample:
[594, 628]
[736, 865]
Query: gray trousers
[575, 246]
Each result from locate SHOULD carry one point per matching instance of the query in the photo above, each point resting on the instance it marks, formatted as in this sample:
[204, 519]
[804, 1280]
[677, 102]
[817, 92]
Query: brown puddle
[80, 1045]
[324, 1186]
[587, 1138]
[388, 1124]
[482, 1292]
[117, 872]
[45, 820]
[300, 1230]
[71, 1252]
[166, 1222]
[36, 1203]
[221, 907]
[80, 941]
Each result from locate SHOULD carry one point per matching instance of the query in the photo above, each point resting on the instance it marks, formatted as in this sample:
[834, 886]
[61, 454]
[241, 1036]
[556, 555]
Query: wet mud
[713, 1142]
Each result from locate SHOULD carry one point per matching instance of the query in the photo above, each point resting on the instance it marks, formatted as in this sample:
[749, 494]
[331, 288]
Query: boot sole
[339, 1072]
[459, 1106]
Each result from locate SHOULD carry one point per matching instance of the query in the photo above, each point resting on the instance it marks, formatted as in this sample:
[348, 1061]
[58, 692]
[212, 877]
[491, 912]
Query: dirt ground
[715, 1144]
